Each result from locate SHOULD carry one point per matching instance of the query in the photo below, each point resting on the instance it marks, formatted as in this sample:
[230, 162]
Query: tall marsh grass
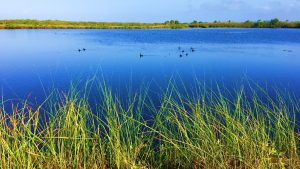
[205, 128]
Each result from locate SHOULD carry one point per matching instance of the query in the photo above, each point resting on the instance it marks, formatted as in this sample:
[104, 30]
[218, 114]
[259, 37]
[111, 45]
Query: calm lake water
[34, 61]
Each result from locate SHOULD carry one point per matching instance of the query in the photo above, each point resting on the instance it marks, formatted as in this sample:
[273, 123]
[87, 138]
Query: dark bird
[84, 49]
[186, 54]
[285, 50]
[192, 49]
[141, 55]
[79, 50]
[180, 55]
[182, 51]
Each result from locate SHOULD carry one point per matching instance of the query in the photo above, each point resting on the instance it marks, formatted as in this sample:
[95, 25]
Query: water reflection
[33, 61]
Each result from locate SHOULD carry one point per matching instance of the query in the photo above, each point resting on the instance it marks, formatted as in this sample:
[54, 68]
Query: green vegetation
[205, 129]
[56, 24]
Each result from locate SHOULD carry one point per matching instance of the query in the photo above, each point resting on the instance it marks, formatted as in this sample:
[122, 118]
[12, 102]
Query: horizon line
[149, 22]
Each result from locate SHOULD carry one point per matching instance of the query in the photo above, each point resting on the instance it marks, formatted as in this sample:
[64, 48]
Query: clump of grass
[245, 128]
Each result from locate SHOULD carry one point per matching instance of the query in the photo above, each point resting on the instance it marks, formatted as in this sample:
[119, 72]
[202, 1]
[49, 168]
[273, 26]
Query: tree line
[175, 24]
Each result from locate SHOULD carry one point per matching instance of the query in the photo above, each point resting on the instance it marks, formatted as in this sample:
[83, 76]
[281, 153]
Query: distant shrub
[274, 23]
[194, 22]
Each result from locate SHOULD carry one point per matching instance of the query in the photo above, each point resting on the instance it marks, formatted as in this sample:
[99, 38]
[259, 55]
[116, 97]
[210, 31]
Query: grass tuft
[225, 129]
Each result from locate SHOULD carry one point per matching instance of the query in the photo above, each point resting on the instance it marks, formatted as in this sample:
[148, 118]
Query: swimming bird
[186, 54]
[192, 49]
[286, 50]
[182, 51]
[84, 49]
[180, 55]
[141, 55]
[79, 50]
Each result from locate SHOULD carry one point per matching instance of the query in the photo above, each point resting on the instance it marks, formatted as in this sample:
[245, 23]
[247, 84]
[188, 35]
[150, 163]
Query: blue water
[32, 62]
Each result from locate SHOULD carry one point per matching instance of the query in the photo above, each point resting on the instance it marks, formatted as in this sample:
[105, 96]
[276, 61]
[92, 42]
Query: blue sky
[150, 10]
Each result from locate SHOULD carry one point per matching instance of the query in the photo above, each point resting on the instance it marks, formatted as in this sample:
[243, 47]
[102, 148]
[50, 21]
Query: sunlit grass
[205, 128]
[58, 24]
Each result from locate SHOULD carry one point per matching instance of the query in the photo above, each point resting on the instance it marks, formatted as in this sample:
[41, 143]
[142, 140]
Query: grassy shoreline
[173, 24]
[205, 130]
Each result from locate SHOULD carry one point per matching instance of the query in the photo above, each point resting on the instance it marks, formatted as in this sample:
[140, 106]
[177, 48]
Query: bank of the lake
[58, 24]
